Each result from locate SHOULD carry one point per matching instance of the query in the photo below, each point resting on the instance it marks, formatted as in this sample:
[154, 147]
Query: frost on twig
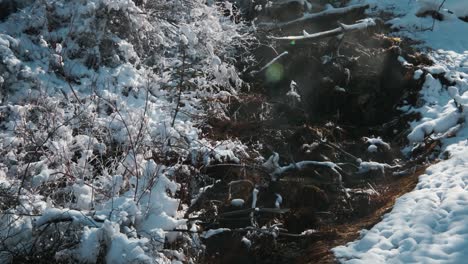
[360, 25]
[330, 12]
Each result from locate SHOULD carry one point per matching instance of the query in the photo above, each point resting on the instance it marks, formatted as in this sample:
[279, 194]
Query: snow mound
[428, 225]
[96, 98]
[425, 225]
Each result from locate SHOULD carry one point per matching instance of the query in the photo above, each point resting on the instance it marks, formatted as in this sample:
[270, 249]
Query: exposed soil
[319, 250]
[345, 97]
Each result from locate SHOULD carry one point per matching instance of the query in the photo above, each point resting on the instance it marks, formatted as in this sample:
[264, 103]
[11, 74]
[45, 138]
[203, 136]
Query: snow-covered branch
[367, 166]
[55, 215]
[273, 230]
[360, 25]
[276, 170]
[314, 16]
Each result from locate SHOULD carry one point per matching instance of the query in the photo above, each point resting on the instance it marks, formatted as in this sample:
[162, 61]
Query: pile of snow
[428, 225]
[96, 97]
[237, 202]
[375, 144]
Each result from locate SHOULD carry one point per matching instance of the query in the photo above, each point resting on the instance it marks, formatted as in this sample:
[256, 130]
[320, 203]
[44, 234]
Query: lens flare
[275, 72]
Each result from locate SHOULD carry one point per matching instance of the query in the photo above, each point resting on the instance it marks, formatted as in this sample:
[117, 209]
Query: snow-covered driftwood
[330, 12]
[360, 25]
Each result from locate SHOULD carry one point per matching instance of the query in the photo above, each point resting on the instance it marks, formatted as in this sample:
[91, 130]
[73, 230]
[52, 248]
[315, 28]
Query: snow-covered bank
[100, 107]
[410, 20]
[428, 225]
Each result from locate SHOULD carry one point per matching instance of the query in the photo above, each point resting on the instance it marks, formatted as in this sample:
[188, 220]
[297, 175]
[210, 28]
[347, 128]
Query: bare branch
[270, 63]
[276, 170]
[360, 25]
[314, 16]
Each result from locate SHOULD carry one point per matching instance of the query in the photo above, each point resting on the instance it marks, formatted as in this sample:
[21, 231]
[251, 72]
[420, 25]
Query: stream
[323, 102]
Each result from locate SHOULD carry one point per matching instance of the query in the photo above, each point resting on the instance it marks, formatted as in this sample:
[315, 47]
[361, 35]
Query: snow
[419, 28]
[425, 225]
[90, 244]
[86, 99]
[213, 232]
[254, 197]
[360, 24]
[292, 94]
[377, 142]
[417, 74]
[275, 170]
[278, 201]
[123, 249]
[246, 242]
[308, 232]
[428, 225]
[372, 148]
[237, 202]
[310, 16]
[367, 166]
[54, 214]
[83, 195]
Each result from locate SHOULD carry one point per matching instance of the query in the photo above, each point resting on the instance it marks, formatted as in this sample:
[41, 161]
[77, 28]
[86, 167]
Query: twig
[245, 229]
[23, 180]
[180, 86]
[438, 10]
[270, 63]
[315, 16]
[245, 211]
